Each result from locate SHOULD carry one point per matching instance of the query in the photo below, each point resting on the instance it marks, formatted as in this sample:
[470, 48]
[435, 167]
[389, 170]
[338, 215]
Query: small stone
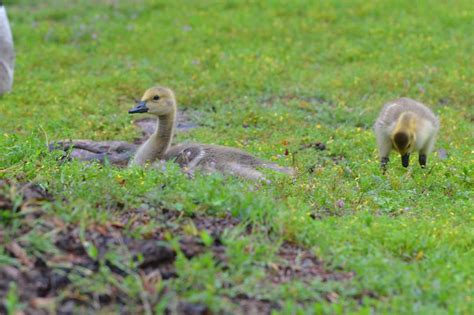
[443, 154]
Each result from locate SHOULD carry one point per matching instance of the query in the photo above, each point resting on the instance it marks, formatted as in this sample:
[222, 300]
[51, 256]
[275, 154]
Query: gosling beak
[140, 108]
[405, 159]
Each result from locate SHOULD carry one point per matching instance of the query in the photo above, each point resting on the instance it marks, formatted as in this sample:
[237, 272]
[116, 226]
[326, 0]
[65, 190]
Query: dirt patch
[297, 263]
[307, 103]
[318, 146]
[249, 305]
[115, 152]
[21, 195]
[45, 281]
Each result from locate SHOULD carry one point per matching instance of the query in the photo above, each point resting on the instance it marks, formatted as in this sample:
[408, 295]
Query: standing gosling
[161, 102]
[406, 126]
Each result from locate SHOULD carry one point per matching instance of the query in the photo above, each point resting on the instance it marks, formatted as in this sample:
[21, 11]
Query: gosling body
[161, 102]
[406, 126]
[7, 54]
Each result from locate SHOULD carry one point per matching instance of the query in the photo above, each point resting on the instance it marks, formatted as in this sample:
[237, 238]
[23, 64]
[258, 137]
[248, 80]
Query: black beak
[406, 160]
[140, 108]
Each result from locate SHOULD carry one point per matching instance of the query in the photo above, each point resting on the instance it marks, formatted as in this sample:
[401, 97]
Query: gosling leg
[422, 160]
[383, 163]
[406, 160]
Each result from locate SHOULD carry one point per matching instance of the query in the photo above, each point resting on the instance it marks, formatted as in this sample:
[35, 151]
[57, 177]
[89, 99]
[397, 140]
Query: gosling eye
[156, 97]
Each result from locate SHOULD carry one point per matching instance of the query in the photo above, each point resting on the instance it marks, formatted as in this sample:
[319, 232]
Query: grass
[292, 74]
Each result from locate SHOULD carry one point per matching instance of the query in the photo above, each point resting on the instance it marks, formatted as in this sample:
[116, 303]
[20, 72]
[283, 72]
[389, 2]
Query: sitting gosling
[161, 102]
[406, 126]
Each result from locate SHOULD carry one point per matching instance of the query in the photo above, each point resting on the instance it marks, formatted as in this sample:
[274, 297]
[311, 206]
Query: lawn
[299, 83]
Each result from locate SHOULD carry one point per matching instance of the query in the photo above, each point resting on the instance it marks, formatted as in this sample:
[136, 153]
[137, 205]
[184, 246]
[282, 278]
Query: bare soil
[44, 280]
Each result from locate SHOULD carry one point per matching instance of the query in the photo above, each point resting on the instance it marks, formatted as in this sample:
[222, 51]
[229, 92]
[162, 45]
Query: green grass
[294, 74]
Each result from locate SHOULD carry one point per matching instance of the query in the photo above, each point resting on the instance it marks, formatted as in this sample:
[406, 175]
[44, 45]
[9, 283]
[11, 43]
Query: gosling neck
[163, 134]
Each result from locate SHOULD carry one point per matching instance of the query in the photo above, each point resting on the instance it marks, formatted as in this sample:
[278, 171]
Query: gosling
[161, 102]
[7, 53]
[405, 125]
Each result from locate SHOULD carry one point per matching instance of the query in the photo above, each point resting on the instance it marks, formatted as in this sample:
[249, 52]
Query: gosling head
[404, 142]
[159, 101]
